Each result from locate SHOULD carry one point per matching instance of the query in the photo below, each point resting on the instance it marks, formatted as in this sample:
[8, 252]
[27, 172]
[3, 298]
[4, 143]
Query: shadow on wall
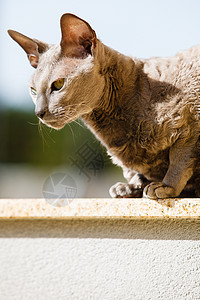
[165, 229]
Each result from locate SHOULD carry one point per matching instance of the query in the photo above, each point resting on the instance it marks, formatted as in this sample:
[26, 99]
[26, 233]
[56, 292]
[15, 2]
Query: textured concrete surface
[111, 259]
[101, 208]
[114, 249]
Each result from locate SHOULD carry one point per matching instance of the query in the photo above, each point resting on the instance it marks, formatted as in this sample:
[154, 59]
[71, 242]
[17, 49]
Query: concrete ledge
[100, 249]
[99, 208]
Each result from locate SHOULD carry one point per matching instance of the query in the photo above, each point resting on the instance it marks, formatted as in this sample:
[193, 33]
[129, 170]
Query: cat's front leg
[181, 164]
[159, 190]
[132, 189]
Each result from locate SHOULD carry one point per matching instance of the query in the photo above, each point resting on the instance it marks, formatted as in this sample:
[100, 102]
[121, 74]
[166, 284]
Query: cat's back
[192, 53]
[180, 70]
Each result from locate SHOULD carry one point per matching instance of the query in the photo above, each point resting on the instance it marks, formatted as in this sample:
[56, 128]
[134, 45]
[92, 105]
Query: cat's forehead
[47, 62]
[53, 66]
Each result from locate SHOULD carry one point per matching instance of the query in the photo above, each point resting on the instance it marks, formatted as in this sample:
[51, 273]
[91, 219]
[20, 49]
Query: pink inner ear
[33, 60]
[77, 36]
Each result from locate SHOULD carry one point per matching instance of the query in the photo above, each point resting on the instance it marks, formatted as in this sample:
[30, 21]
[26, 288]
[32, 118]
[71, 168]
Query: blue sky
[141, 28]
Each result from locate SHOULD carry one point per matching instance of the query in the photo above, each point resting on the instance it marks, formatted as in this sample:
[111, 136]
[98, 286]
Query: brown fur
[145, 112]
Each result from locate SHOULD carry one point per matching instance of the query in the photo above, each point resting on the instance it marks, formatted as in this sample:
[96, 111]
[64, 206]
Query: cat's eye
[33, 92]
[57, 85]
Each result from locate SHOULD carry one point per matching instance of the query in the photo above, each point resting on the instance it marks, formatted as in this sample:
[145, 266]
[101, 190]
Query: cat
[146, 112]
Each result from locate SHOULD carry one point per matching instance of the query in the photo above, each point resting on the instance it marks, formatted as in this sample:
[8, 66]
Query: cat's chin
[57, 127]
[58, 123]
[54, 125]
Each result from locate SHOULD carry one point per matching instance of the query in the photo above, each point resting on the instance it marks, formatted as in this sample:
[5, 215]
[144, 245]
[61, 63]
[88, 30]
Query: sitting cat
[145, 112]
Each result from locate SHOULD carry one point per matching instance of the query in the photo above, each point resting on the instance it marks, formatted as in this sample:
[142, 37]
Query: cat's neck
[121, 103]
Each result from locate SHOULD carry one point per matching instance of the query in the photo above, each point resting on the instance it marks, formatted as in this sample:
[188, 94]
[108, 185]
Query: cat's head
[62, 85]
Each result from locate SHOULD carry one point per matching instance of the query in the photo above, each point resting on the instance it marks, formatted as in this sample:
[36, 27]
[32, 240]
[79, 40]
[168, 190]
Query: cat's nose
[40, 113]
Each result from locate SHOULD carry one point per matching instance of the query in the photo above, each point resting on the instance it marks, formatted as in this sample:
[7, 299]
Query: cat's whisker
[47, 133]
[59, 112]
[41, 134]
[40, 131]
[34, 124]
[72, 133]
[78, 124]
[43, 129]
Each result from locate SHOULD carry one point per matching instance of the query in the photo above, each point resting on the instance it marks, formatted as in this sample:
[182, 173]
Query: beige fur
[145, 112]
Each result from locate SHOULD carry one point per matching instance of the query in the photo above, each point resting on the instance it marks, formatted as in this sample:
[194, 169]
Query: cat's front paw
[125, 190]
[158, 190]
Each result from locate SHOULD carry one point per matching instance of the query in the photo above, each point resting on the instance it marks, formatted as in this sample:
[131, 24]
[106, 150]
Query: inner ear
[32, 47]
[78, 38]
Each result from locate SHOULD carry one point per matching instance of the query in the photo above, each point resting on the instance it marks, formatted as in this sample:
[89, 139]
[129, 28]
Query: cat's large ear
[78, 38]
[33, 48]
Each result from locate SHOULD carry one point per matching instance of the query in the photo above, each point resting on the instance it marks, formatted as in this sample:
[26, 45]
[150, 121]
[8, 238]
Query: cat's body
[146, 112]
